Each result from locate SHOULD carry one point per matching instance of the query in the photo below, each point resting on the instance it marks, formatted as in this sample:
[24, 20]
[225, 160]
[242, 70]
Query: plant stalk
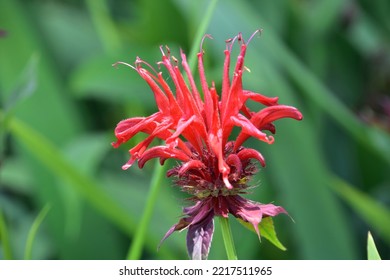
[228, 238]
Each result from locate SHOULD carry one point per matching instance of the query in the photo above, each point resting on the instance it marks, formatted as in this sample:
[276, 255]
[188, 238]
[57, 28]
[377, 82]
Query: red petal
[234, 160]
[248, 129]
[248, 153]
[232, 103]
[192, 129]
[192, 164]
[274, 113]
[159, 96]
[163, 152]
[263, 118]
[194, 89]
[257, 97]
[126, 129]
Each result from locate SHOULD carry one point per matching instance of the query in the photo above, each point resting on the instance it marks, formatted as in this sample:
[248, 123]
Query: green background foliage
[61, 100]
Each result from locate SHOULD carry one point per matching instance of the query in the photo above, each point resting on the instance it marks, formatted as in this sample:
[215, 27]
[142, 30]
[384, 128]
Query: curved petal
[249, 129]
[192, 164]
[257, 97]
[235, 161]
[162, 152]
[248, 153]
[126, 129]
[262, 119]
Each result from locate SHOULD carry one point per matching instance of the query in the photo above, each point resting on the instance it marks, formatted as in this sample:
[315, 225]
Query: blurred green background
[61, 100]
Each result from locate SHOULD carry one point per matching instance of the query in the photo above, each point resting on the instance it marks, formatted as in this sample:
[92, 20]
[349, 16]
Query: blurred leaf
[4, 238]
[267, 230]
[50, 98]
[313, 16]
[85, 153]
[374, 214]
[19, 220]
[97, 78]
[15, 175]
[135, 250]
[131, 192]
[153, 27]
[34, 230]
[372, 252]
[48, 154]
[51, 111]
[68, 33]
[366, 35]
[93, 147]
[25, 86]
[104, 24]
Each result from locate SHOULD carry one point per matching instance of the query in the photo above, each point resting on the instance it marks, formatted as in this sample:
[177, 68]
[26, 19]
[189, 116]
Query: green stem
[228, 238]
[135, 249]
[4, 238]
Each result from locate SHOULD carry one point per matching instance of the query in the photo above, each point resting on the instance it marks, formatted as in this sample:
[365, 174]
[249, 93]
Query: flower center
[216, 191]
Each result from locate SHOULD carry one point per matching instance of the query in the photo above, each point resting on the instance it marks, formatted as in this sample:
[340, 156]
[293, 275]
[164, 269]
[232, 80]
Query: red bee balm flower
[195, 131]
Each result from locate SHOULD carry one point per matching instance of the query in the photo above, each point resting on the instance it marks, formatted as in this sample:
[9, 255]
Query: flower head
[196, 131]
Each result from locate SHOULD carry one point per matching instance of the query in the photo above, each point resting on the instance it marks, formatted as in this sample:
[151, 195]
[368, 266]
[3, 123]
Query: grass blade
[34, 230]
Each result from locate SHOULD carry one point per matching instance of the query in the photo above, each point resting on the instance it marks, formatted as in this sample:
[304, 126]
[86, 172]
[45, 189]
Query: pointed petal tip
[126, 166]
[115, 144]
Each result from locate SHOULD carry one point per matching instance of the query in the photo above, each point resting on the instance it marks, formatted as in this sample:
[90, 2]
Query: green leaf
[267, 230]
[372, 252]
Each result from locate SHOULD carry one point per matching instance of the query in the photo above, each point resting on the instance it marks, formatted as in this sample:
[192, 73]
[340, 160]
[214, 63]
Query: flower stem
[228, 238]
[135, 249]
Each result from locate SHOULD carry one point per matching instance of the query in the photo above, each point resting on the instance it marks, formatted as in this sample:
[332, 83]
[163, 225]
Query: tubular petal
[163, 152]
[192, 164]
[248, 153]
